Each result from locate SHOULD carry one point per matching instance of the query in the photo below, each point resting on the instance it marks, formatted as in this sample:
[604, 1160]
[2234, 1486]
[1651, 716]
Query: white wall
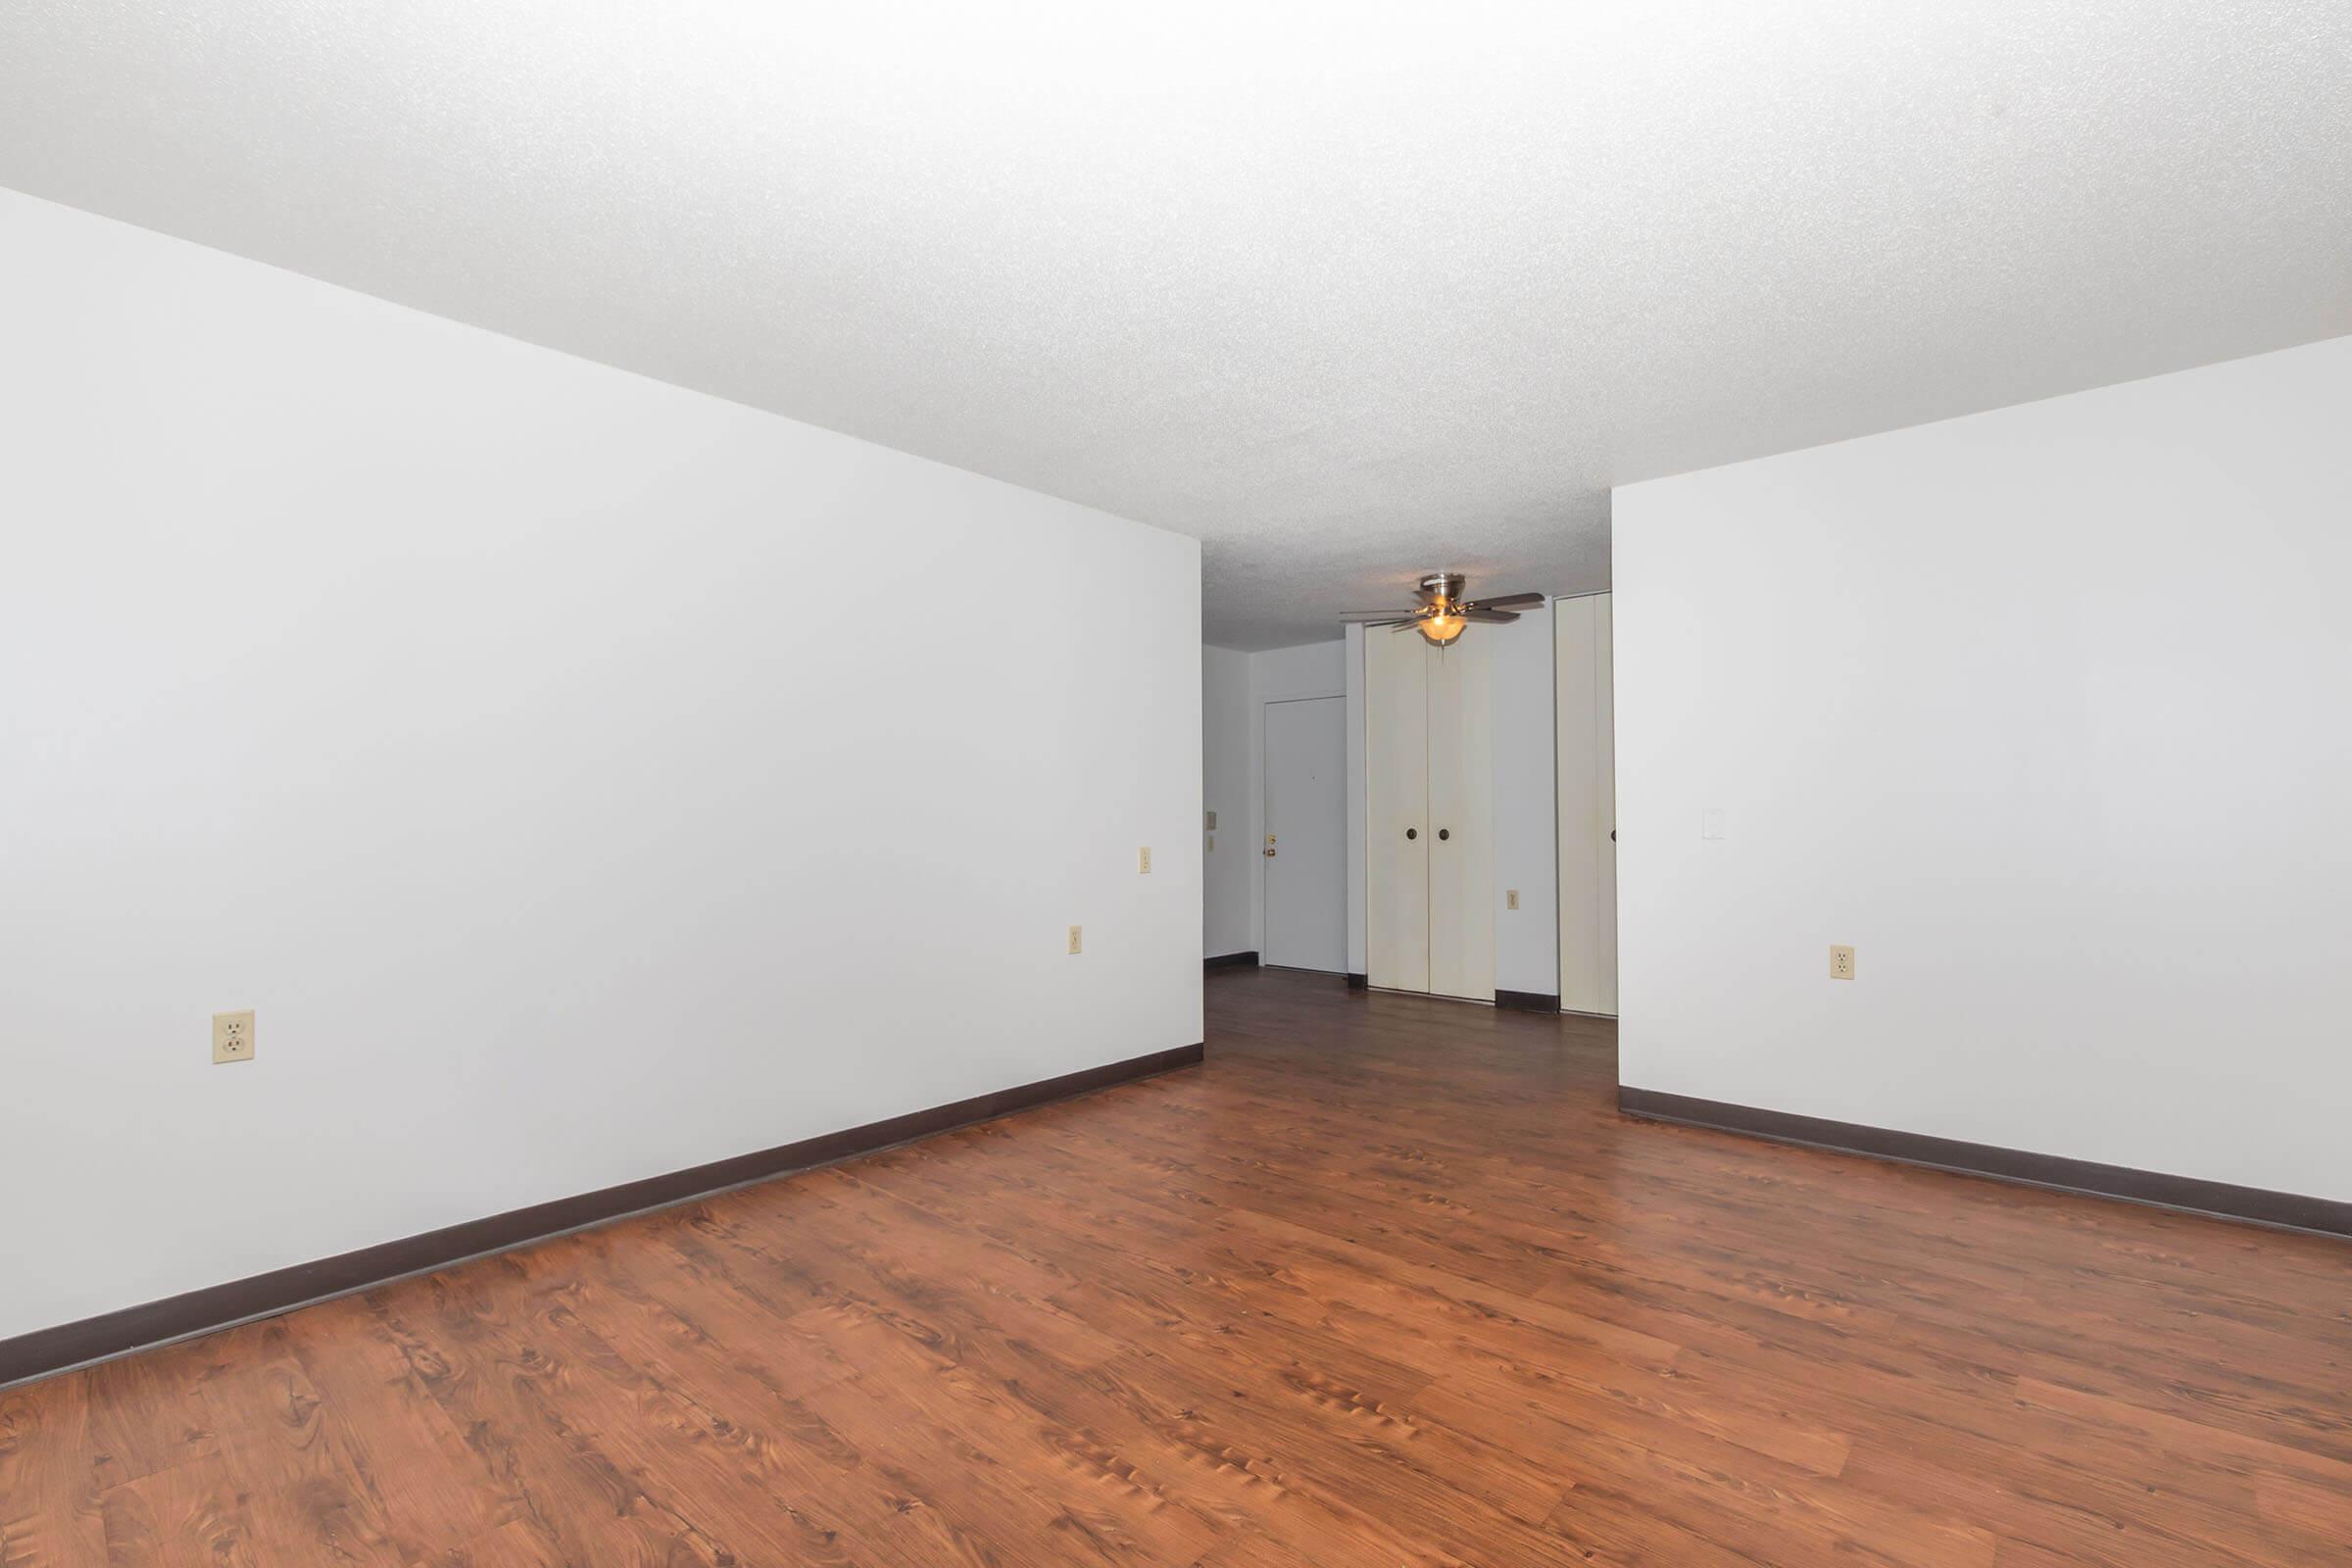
[1527, 811]
[517, 736]
[1229, 866]
[2045, 711]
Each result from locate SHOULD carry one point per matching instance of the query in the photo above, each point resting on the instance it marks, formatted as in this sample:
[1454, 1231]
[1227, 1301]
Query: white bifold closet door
[1395, 809]
[1461, 808]
[1587, 825]
[1429, 739]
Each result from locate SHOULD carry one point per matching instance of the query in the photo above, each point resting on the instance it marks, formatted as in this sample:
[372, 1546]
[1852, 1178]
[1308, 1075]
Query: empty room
[1075, 786]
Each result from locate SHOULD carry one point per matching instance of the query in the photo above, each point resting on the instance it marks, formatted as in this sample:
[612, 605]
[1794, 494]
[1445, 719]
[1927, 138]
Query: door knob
[1445, 833]
[1412, 832]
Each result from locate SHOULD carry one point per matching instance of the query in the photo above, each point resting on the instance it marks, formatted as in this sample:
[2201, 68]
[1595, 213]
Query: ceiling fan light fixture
[1441, 621]
[1446, 611]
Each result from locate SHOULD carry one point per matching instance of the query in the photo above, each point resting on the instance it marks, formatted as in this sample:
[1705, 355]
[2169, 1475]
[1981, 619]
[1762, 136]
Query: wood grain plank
[49, 1509]
[1386, 1281]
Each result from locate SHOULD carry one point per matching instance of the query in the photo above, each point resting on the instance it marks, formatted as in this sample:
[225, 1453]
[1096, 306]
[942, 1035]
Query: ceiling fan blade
[1491, 618]
[1374, 616]
[1509, 601]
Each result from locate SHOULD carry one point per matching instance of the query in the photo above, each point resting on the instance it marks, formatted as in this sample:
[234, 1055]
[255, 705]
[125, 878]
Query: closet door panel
[1461, 811]
[1604, 846]
[1396, 811]
[1587, 773]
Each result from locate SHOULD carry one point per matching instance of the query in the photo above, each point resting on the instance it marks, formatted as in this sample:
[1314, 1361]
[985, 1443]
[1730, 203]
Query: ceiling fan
[1443, 612]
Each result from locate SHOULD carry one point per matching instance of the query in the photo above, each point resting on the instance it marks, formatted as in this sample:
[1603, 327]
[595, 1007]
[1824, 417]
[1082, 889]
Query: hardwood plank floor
[1385, 1281]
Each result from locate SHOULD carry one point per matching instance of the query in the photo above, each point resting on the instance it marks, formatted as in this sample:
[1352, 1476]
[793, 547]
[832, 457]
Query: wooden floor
[1385, 1281]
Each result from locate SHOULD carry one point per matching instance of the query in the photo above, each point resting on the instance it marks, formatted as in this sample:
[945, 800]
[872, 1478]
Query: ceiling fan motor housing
[1445, 585]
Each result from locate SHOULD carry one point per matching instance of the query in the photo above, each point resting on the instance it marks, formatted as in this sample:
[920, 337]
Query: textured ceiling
[1348, 292]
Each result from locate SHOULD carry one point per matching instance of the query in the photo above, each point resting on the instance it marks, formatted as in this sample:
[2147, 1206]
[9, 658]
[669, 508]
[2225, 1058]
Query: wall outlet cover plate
[233, 1035]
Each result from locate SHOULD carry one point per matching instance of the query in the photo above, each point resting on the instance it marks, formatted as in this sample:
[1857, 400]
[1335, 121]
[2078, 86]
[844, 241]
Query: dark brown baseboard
[217, 1307]
[2260, 1206]
[1528, 1000]
[1231, 960]
[1358, 982]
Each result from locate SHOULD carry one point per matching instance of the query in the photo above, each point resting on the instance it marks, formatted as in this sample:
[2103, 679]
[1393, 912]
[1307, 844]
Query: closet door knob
[1412, 832]
[1445, 833]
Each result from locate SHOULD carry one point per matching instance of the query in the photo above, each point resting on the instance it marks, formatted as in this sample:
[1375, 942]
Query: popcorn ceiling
[1347, 292]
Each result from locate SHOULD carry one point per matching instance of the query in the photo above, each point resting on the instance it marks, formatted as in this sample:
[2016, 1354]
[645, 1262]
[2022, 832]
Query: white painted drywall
[584, 779]
[2045, 711]
[1229, 919]
[1310, 669]
[1526, 940]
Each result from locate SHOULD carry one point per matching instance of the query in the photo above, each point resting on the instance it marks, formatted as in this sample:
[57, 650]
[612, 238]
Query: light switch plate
[1841, 963]
[1710, 822]
[1074, 938]
[1212, 821]
[233, 1035]
[1511, 900]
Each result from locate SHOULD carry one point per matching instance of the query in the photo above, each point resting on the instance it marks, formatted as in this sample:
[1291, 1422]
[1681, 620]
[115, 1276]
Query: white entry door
[1306, 851]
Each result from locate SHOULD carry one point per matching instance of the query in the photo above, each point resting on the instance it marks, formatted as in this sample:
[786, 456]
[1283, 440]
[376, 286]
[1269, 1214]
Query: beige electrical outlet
[1511, 900]
[1143, 860]
[233, 1035]
[1074, 939]
[1213, 842]
[1841, 963]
